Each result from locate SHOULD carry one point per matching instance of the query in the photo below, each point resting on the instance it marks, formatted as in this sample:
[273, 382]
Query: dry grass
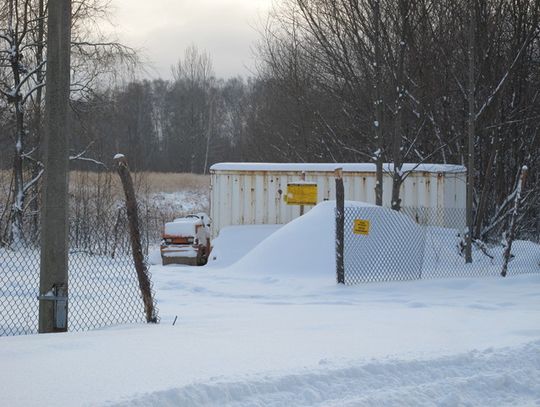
[148, 182]
[172, 182]
[160, 181]
[145, 182]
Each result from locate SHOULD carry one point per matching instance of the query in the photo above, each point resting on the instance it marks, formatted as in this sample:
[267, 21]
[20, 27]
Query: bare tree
[194, 74]
[412, 56]
[22, 74]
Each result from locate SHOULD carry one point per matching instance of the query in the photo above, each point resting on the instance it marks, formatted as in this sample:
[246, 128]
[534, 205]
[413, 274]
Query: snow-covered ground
[273, 329]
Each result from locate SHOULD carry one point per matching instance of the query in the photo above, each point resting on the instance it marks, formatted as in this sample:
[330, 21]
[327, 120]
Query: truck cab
[186, 240]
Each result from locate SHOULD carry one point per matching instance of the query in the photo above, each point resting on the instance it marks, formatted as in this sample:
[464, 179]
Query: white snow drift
[274, 329]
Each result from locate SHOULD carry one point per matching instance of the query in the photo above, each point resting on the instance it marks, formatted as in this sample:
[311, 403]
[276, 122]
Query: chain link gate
[385, 245]
[381, 245]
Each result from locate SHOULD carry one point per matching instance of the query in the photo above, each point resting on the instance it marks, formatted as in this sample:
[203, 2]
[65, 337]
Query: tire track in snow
[503, 377]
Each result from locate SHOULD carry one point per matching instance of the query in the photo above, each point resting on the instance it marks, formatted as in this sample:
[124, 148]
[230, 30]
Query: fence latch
[58, 294]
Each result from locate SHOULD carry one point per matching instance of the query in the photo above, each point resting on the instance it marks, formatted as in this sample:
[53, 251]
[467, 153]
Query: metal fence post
[53, 287]
[340, 226]
[303, 178]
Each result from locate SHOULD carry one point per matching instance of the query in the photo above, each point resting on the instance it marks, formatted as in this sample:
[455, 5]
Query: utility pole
[470, 149]
[53, 286]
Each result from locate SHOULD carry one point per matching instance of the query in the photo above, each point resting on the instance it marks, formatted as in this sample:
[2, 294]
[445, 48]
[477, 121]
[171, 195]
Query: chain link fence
[384, 245]
[103, 285]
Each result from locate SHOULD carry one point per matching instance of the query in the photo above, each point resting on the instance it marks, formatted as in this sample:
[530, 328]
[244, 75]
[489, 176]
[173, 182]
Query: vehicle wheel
[202, 259]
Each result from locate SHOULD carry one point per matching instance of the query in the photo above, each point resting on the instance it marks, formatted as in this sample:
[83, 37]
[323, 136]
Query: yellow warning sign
[301, 193]
[361, 227]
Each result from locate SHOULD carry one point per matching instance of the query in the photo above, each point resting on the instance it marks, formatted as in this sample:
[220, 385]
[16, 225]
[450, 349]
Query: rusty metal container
[254, 193]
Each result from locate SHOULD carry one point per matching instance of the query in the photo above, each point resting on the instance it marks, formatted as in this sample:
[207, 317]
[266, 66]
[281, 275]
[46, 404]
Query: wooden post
[340, 226]
[512, 232]
[53, 284]
[135, 237]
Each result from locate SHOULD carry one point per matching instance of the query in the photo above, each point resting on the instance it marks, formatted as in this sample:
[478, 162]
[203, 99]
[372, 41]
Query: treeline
[192, 121]
[359, 81]
[338, 81]
[179, 125]
[413, 80]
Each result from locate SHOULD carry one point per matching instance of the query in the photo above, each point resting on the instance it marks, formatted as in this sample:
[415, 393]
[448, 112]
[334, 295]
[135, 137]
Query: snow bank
[391, 250]
[526, 256]
[396, 248]
[234, 242]
[443, 257]
[306, 246]
[491, 378]
[303, 247]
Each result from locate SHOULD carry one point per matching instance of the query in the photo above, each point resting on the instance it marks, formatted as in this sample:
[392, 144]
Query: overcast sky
[162, 29]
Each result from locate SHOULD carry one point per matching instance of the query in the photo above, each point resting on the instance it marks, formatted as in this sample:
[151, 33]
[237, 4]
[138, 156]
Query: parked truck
[186, 240]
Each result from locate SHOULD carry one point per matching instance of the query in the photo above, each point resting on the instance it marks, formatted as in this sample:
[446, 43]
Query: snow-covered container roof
[328, 167]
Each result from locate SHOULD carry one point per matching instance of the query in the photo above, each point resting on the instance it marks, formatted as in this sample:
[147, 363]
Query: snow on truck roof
[328, 167]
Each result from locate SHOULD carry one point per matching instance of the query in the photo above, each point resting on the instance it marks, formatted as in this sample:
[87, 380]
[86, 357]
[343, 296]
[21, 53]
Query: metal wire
[103, 285]
[420, 243]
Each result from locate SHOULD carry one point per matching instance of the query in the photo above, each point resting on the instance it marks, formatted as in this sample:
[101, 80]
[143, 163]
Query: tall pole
[340, 226]
[470, 149]
[135, 237]
[378, 107]
[53, 285]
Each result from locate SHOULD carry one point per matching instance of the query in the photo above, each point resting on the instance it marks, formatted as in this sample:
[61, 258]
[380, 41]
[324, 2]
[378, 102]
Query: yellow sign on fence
[361, 227]
[301, 193]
